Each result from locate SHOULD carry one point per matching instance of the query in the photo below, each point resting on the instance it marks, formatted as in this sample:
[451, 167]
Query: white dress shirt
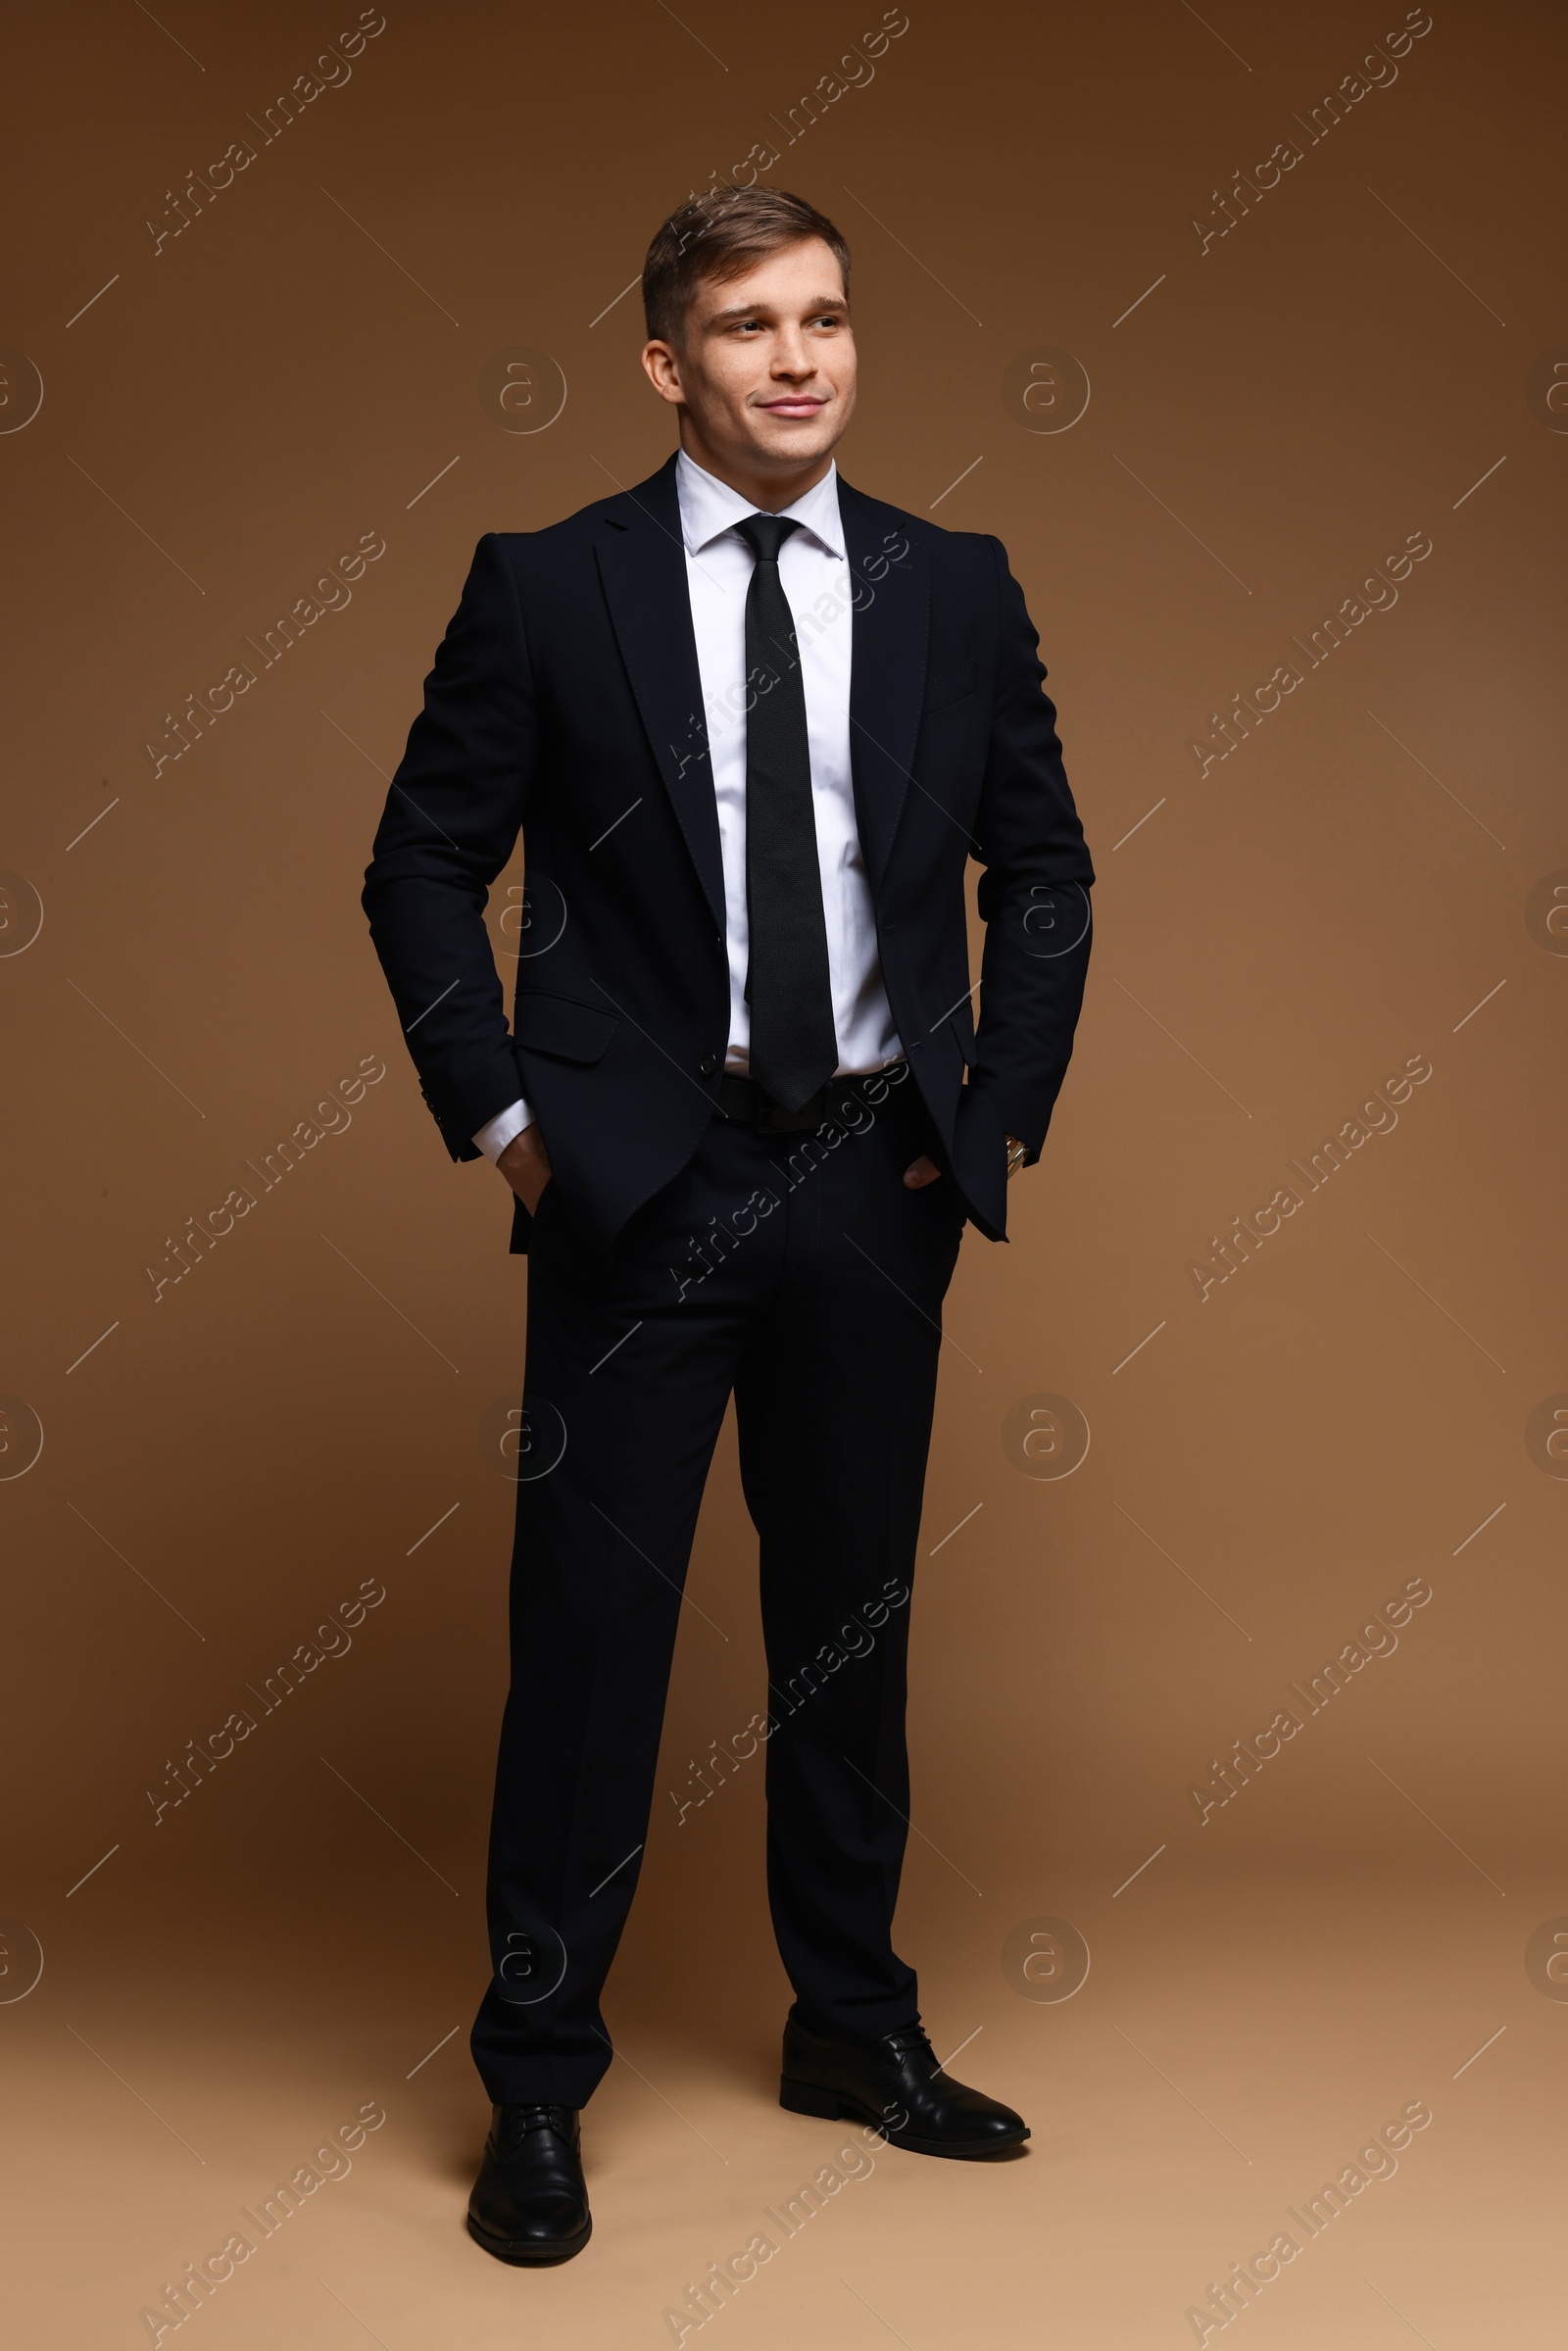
[813, 571]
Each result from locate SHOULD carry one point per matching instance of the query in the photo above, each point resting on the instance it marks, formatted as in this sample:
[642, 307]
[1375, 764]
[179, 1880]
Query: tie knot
[765, 534]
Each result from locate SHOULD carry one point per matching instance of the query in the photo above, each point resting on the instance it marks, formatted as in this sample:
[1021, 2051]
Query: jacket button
[708, 1065]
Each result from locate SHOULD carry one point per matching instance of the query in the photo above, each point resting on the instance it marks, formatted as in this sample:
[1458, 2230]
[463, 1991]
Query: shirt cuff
[495, 1133]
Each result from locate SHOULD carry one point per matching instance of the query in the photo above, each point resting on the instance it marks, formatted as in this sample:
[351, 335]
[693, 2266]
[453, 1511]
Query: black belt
[840, 1103]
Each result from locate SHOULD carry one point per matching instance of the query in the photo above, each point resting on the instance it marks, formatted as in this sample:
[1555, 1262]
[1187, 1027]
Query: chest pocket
[948, 685]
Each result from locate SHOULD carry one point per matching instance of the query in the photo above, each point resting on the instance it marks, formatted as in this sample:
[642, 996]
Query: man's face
[765, 368]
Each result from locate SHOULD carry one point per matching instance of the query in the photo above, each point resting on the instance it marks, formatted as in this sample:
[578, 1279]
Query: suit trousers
[799, 1272]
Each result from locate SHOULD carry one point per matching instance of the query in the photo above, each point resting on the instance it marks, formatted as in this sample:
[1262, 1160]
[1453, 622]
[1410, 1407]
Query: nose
[791, 355]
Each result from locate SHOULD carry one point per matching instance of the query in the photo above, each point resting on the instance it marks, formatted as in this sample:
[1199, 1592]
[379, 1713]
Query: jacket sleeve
[450, 820]
[1034, 893]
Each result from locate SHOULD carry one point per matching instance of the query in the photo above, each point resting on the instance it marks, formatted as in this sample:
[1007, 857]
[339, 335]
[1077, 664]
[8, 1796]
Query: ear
[662, 367]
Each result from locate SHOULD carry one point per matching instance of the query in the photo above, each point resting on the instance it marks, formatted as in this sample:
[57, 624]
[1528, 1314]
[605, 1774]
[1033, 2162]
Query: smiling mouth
[805, 404]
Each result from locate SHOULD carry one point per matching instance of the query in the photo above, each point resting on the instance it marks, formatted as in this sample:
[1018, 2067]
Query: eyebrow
[753, 310]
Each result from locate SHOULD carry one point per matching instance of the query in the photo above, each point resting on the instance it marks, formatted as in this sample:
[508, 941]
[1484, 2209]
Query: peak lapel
[892, 590]
[642, 564]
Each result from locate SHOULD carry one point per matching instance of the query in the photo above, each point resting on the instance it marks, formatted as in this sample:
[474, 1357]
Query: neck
[769, 490]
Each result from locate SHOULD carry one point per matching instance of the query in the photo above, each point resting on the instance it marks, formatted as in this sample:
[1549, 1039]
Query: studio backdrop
[1237, 1625]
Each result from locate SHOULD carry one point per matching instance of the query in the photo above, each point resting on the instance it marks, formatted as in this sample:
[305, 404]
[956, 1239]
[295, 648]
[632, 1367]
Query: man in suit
[751, 724]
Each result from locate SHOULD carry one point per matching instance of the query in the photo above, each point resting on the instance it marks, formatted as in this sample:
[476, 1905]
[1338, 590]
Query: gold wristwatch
[1017, 1152]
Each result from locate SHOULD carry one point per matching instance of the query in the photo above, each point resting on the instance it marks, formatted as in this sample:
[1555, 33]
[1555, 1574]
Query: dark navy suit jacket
[565, 703]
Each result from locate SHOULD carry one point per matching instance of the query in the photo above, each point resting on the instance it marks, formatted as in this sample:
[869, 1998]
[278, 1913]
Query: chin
[797, 446]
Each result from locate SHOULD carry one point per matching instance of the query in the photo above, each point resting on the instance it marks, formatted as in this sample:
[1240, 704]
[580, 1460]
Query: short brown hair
[717, 235]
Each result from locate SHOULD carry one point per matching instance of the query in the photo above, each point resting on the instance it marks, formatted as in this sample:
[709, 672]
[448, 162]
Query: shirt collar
[708, 508]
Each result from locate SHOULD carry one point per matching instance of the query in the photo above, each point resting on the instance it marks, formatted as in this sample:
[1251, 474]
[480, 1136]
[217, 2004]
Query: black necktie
[794, 1045]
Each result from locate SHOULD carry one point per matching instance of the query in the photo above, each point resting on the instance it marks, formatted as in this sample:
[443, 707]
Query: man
[751, 724]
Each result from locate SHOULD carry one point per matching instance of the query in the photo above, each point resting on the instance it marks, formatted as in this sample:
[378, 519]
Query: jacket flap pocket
[555, 1025]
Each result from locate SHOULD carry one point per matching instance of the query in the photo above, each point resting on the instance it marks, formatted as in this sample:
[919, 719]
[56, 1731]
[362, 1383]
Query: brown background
[227, 1463]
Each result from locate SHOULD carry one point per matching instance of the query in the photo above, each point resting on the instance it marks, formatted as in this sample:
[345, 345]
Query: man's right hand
[526, 1164]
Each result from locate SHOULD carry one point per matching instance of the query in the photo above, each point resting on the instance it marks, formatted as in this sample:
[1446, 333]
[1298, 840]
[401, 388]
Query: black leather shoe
[896, 2083]
[529, 2202]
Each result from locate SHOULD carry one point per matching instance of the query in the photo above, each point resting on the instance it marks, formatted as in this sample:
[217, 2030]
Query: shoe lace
[910, 2040]
[519, 2123]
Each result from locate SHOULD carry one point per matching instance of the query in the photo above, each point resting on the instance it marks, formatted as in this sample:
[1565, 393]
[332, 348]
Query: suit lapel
[642, 564]
[892, 589]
